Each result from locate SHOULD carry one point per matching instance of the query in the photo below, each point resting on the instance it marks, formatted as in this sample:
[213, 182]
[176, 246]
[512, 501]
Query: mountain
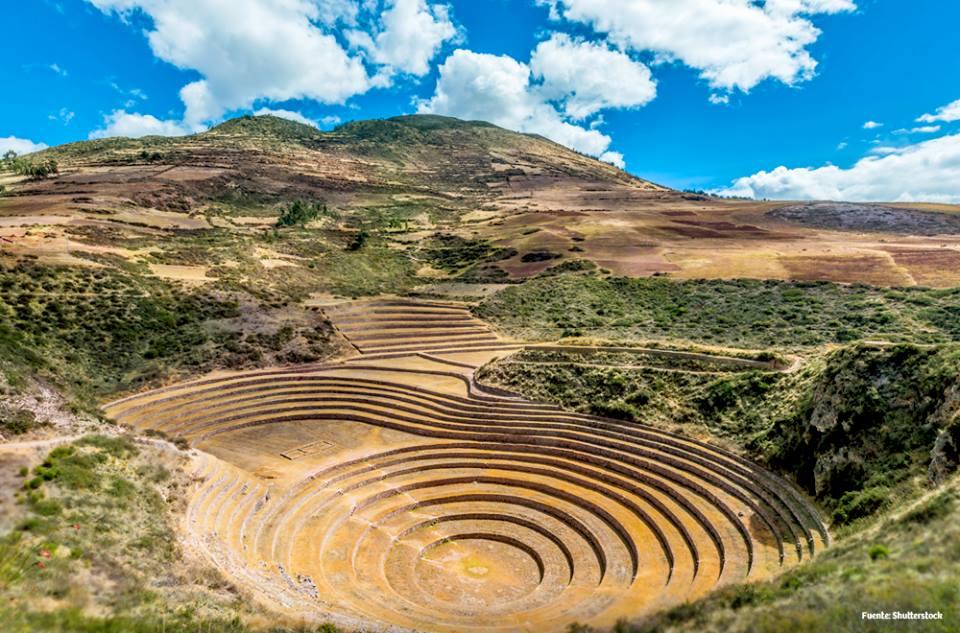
[449, 164]
[480, 190]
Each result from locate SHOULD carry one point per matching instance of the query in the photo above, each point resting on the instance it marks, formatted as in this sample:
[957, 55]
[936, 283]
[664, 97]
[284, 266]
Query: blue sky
[705, 94]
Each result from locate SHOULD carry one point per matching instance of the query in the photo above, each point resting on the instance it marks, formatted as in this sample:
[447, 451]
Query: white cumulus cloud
[289, 115]
[735, 44]
[614, 158]
[872, 125]
[411, 34]
[559, 94]
[586, 78]
[500, 89]
[947, 114]
[927, 171]
[276, 50]
[246, 50]
[19, 145]
[134, 125]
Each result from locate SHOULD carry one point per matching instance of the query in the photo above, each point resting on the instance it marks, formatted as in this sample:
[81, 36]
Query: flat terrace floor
[391, 491]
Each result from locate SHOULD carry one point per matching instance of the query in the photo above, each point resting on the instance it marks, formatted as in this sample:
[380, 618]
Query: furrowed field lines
[397, 491]
[392, 327]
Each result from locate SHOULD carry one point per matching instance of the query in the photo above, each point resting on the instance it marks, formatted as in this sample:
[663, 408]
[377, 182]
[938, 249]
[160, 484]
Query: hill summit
[451, 166]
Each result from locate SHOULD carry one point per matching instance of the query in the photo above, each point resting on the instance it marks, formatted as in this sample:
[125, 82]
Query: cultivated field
[392, 489]
[447, 201]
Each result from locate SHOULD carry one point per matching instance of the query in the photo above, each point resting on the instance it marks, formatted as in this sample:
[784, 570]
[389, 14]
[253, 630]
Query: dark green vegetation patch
[470, 259]
[744, 313]
[16, 421]
[99, 331]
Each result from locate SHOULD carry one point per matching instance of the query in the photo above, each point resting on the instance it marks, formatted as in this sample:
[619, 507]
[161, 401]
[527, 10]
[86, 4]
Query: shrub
[359, 240]
[878, 552]
[113, 446]
[539, 256]
[16, 421]
[616, 409]
[46, 507]
[70, 468]
[750, 595]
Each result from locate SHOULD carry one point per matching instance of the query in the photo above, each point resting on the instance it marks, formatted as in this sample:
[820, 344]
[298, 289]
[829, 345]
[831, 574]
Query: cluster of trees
[301, 213]
[709, 194]
[33, 169]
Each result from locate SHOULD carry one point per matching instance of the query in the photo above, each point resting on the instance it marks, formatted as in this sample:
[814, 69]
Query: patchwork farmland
[392, 489]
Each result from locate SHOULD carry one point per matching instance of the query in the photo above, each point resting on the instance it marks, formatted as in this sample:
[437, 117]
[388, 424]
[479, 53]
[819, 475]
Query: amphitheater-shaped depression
[392, 490]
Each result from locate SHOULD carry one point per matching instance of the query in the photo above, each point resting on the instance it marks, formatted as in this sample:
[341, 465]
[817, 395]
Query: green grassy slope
[95, 332]
[92, 548]
[907, 560]
[743, 313]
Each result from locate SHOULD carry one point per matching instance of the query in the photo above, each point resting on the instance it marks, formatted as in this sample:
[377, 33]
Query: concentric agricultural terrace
[392, 490]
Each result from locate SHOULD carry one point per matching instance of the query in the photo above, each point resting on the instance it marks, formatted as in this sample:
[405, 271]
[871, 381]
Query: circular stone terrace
[392, 491]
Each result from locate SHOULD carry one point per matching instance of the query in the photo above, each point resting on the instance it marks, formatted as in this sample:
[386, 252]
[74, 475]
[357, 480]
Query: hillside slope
[489, 205]
[266, 159]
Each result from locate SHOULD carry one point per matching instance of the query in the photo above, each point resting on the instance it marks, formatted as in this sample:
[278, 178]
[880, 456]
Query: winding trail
[18, 447]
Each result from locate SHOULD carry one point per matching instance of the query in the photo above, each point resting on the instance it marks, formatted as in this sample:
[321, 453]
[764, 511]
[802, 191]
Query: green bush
[71, 468]
[358, 241]
[857, 504]
[115, 446]
[878, 552]
[617, 409]
[46, 507]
